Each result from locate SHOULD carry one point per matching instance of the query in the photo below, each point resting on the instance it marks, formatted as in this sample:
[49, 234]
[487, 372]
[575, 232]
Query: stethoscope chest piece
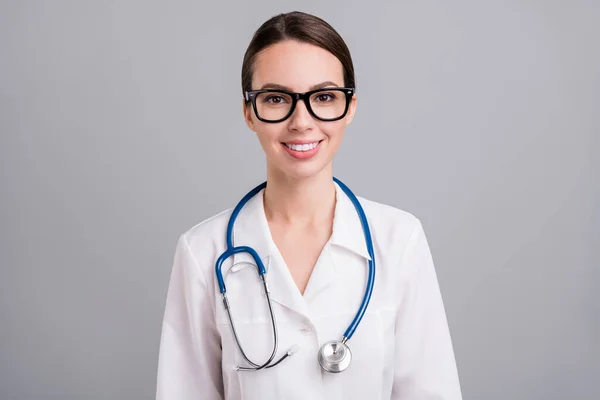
[335, 356]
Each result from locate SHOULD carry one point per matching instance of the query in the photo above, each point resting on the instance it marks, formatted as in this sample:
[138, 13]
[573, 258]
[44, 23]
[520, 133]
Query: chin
[306, 171]
[298, 169]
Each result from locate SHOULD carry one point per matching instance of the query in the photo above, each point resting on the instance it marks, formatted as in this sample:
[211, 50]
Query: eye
[274, 99]
[325, 97]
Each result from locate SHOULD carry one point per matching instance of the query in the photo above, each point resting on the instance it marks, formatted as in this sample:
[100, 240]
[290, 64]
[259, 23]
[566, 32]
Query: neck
[302, 202]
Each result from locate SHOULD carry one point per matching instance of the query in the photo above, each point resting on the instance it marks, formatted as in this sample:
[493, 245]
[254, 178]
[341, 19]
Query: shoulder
[209, 232]
[399, 241]
[202, 244]
[390, 226]
[386, 214]
[205, 241]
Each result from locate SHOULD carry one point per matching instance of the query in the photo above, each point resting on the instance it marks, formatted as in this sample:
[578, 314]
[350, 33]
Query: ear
[351, 110]
[247, 110]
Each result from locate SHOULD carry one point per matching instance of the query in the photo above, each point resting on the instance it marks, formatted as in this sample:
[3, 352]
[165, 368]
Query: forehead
[297, 66]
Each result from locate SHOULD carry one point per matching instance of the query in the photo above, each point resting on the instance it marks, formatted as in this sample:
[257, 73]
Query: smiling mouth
[302, 147]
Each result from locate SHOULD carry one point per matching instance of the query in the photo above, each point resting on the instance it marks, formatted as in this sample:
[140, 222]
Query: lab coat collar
[252, 229]
[347, 228]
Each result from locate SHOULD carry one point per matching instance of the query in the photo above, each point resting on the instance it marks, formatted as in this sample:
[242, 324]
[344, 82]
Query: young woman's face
[298, 67]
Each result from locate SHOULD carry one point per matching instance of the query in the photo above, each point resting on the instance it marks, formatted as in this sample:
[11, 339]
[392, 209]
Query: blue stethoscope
[335, 355]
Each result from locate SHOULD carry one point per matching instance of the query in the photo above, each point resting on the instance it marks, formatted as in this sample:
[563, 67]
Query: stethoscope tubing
[231, 250]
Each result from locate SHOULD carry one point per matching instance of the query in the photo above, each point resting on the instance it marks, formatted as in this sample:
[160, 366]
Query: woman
[308, 234]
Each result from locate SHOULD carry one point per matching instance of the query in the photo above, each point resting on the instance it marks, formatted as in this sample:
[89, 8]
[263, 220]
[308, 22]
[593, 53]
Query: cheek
[335, 132]
[267, 134]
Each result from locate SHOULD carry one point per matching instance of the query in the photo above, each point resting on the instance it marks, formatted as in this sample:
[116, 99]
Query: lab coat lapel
[346, 245]
[252, 229]
[347, 228]
[323, 275]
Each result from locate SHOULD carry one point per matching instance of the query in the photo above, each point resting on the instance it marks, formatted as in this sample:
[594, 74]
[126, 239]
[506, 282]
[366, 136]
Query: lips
[302, 150]
[302, 146]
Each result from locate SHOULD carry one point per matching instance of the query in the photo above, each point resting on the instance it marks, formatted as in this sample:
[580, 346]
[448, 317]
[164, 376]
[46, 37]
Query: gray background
[121, 128]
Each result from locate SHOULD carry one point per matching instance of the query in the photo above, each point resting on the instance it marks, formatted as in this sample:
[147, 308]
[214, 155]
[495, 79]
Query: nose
[301, 120]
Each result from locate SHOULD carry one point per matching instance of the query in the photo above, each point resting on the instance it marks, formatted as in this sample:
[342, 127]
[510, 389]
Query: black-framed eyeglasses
[275, 105]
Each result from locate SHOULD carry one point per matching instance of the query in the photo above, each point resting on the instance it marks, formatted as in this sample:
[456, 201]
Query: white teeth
[302, 147]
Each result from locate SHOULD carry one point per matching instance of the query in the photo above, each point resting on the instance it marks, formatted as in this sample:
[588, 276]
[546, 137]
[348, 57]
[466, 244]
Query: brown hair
[301, 27]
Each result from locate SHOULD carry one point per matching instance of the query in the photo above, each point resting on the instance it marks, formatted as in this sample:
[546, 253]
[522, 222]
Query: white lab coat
[401, 349]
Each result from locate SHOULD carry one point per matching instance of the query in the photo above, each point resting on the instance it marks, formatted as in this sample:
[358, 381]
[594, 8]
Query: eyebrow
[313, 87]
